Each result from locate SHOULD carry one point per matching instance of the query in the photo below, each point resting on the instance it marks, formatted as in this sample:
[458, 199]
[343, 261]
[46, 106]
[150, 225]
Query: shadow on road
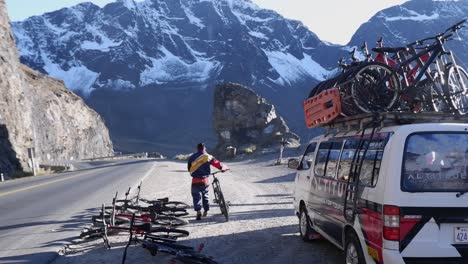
[274, 245]
[73, 223]
[274, 195]
[285, 178]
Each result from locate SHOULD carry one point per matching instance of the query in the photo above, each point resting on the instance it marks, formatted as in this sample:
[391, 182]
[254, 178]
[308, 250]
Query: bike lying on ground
[182, 253]
[102, 228]
[219, 196]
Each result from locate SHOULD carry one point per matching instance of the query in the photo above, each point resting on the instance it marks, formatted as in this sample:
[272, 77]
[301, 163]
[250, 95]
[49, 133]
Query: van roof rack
[384, 119]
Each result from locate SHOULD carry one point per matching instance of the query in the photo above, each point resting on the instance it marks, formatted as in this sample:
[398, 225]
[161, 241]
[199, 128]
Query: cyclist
[199, 167]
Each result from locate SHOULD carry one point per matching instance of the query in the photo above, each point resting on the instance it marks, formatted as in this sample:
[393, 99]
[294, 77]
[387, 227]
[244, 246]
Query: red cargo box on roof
[322, 108]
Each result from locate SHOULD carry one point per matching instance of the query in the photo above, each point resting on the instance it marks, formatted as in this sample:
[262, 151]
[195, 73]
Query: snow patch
[171, 68]
[101, 42]
[258, 35]
[192, 18]
[413, 16]
[78, 78]
[130, 4]
[292, 69]
[24, 42]
[119, 84]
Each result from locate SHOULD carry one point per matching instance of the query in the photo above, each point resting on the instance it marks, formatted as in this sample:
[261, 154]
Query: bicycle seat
[389, 50]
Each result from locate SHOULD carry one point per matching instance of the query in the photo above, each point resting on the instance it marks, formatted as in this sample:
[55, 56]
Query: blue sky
[332, 20]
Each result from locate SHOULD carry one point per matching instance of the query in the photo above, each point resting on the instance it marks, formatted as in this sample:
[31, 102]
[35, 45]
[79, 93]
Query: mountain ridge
[150, 67]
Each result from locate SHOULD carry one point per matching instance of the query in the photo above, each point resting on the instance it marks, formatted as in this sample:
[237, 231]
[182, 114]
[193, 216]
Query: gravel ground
[262, 226]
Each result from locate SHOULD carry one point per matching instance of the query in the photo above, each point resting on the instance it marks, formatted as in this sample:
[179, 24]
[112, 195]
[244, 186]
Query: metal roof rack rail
[358, 122]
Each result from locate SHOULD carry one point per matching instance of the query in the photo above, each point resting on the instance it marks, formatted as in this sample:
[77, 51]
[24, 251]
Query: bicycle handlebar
[442, 36]
[457, 26]
[216, 172]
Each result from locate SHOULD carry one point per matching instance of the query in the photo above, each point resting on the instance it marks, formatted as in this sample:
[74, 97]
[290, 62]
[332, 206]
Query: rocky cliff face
[41, 113]
[244, 120]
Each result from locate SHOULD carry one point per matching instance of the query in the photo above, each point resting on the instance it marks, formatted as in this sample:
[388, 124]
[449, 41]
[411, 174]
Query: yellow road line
[42, 184]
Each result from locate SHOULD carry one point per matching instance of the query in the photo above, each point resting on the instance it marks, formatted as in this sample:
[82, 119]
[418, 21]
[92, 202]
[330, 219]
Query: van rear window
[435, 162]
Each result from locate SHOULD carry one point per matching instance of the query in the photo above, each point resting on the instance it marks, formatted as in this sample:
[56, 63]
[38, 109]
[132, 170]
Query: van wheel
[353, 250]
[305, 229]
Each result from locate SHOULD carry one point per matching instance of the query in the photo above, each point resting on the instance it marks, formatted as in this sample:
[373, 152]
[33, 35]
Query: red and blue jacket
[199, 167]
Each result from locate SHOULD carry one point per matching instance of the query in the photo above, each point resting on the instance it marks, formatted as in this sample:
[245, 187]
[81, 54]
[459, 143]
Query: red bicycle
[429, 79]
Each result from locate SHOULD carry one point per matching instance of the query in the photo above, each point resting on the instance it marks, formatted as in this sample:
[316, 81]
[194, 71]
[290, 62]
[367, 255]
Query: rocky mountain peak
[149, 66]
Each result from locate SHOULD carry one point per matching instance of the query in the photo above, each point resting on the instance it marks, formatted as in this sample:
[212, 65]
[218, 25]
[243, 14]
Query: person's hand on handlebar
[224, 168]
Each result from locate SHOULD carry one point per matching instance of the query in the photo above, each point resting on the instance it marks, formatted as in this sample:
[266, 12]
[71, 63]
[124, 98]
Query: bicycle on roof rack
[429, 79]
[219, 196]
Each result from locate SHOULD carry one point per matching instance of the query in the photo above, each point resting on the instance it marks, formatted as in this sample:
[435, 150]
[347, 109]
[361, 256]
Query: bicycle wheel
[168, 232]
[456, 88]
[170, 221]
[173, 213]
[176, 205]
[375, 87]
[223, 206]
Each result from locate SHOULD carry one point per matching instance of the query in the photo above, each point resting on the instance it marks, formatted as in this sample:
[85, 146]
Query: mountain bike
[427, 76]
[103, 228]
[365, 75]
[121, 218]
[158, 207]
[219, 196]
[164, 202]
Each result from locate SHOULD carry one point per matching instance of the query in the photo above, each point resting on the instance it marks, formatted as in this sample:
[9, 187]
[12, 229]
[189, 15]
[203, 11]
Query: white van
[394, 194]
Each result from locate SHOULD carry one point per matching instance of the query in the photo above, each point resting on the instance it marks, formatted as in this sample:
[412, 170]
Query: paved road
[39, 215]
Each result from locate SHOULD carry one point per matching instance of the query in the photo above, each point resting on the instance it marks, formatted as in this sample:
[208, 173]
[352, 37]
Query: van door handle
[308, 177]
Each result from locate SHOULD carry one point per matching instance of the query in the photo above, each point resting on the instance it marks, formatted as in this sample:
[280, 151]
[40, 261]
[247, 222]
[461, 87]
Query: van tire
[353, 250]
[305, 229]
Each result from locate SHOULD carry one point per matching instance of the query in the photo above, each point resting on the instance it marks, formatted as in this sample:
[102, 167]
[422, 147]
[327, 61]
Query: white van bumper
[392, 257]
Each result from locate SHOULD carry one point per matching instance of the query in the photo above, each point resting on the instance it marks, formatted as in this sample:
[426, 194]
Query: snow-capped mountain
[141, 57]
[415, 20]
[150, 67]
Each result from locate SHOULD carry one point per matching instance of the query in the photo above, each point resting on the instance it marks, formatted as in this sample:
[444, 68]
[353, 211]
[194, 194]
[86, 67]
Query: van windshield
[435, 162]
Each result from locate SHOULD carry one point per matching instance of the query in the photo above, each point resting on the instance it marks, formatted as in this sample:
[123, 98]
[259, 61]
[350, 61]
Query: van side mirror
[293, 164]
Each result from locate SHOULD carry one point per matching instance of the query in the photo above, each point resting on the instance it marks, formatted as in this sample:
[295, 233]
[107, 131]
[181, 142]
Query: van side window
[333, 157]
[308, 157]
[370, 165]
[346, 159]
[321, 160]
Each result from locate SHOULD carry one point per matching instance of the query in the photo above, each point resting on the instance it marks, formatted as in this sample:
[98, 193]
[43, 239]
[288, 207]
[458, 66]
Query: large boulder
[244, 120]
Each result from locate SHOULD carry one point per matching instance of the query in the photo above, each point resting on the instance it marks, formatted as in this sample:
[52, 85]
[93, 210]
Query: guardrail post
[1, 177]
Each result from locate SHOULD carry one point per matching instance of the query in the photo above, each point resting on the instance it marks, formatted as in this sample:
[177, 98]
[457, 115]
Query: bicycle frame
[219, 196]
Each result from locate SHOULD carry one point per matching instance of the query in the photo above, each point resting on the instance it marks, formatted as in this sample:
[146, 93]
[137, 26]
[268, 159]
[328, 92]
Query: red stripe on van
[406, 224]
[372, 226]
